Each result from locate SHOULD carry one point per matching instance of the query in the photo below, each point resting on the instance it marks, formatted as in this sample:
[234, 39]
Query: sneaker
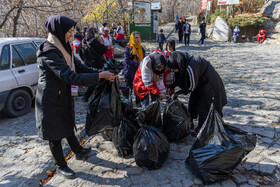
[66, 172]
[83, 154]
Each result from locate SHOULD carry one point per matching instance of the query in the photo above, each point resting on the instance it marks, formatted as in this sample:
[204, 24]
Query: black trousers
[202, 38]
[57, 152]
[129, 83]
[180, 35]
[187, 36]
[160, 45]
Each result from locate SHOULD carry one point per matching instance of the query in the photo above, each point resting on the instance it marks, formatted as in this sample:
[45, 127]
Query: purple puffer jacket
[130, 66]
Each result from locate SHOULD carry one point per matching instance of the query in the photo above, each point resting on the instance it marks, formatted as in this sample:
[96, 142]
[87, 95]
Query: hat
[106, 29]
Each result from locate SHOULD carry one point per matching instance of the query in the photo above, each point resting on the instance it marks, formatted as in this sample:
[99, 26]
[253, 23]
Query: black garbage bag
[176, 120]
[150, 148]
[218, 149]
[123, 136]
[107, 135]
[104, 112]
[151, 115]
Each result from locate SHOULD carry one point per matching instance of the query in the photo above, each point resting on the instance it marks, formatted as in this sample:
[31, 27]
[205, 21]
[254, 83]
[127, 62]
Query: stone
[277, 28]
[253, 182]
[221, 30]
[187, 182]
[271, 8]
[228, 183]
[267, 168]
[240, 178]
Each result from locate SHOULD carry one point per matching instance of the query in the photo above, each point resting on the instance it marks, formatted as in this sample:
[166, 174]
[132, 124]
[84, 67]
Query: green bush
[243, 21]
[222, 13]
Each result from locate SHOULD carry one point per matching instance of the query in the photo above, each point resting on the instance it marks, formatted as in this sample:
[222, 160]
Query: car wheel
[18, 103]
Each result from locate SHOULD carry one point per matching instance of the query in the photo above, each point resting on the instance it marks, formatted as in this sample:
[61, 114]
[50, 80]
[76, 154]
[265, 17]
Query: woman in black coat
[196, 75]
[54, 105]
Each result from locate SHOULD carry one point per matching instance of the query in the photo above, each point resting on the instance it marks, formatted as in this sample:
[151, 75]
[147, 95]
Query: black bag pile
[218, 149]
[123, 136]
[176, 120]
[151, 147]
[104, 112]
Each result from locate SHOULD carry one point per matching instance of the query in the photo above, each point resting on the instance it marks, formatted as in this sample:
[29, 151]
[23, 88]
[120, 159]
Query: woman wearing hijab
[196, 75]
[133, 55]
[152, 76]
[54, 105]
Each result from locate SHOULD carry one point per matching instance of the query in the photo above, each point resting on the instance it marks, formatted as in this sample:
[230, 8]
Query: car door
[7, 79]
[24, 66]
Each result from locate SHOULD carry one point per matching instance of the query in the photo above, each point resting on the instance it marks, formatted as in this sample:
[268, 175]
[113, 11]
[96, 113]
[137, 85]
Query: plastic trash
[151, 147]
[218, 149]
[176, 120]
[123, 136]
[104, 112]
[151, 115]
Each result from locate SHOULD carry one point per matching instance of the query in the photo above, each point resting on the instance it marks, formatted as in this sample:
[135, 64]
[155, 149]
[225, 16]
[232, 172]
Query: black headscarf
[59, 25]
[179, 60]
[91, 32]
[157, 60]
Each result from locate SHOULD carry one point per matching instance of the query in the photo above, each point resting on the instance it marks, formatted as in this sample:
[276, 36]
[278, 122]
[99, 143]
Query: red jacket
[145, 80]
[262, 34]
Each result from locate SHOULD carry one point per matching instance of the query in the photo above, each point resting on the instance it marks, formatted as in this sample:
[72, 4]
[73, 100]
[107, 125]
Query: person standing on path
[179, 28]
[54, 104]
[106, 39]
[187, 32]
[202, 28]
[133, 55]
[161, 39]
[196, 75]
[120, 32]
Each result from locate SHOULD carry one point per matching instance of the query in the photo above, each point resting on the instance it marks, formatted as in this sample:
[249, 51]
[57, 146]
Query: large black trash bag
[218, 149]
[104, 112]
[123, 136]
[176, 120]
[151, 147]
[151, 115]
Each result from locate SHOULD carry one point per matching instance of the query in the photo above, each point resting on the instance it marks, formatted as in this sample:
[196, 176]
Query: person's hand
[107, 75]
[163, 96]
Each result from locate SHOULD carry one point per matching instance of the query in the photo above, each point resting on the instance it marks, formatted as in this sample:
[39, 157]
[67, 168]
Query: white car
[18, 74]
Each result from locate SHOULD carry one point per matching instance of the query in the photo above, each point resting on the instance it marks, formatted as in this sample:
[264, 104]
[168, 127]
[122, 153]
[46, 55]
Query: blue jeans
[145, 101]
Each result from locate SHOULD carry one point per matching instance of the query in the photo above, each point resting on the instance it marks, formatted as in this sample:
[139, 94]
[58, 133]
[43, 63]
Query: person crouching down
[196, 75]
[152, 76]
[54, 104]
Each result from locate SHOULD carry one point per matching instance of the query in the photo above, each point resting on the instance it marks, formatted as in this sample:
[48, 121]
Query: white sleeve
[146, 72]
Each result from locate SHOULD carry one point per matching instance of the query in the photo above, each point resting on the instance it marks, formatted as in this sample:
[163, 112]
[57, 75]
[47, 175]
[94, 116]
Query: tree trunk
[16, 18]
[6, 17]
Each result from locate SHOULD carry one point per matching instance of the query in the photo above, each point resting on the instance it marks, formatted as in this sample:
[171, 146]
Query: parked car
[18, 74]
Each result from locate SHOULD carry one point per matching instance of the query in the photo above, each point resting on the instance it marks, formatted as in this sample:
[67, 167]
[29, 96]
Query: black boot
[83, 154]
[66, 172]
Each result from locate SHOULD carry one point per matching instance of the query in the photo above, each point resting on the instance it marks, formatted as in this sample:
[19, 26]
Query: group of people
[154, 75]
[183, 27]
[236, 35]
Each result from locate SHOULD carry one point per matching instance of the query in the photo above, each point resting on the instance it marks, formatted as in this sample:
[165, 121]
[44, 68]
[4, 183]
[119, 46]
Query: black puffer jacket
[198, 76]
[54, 105]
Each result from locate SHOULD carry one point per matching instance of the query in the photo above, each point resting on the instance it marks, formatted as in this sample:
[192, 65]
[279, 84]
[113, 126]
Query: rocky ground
[250, 73]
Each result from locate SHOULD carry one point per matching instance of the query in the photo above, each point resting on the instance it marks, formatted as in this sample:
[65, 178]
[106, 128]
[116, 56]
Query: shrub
[243, 21]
